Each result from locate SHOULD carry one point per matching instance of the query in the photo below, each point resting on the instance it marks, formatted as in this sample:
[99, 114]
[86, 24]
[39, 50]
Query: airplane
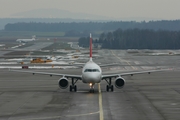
[26, 40]
[91, 74]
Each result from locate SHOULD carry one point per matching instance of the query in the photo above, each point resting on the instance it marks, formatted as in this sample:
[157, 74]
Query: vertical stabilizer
[90, 48]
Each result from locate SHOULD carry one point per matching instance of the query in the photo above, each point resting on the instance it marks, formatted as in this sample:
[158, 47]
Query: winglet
[90, 47]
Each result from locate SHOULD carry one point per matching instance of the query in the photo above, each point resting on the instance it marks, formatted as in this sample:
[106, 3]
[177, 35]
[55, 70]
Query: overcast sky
[163, 9]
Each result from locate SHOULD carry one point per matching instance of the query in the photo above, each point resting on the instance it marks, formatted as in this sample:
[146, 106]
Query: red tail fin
[90, 47]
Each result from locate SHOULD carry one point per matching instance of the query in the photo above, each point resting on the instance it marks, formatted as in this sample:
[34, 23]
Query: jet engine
[63, 83]
[119, 82]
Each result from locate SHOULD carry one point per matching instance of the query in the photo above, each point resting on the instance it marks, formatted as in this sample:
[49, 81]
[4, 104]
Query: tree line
[136, 39]
[79, 27]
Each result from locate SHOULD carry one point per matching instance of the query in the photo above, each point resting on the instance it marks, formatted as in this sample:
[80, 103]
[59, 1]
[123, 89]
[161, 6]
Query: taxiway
[153, 96]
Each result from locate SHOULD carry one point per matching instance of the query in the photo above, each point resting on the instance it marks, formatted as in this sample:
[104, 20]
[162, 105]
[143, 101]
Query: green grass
[9, 45]
[58, 45]
[25, 34]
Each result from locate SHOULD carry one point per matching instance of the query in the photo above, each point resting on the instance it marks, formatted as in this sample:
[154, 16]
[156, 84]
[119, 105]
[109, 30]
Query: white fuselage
[91, 73]
[25, 40]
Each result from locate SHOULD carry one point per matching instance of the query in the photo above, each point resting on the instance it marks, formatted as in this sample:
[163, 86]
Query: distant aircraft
[91, 74]
[26, 40]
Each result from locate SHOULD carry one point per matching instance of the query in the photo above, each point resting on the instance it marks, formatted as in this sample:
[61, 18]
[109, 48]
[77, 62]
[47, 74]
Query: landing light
[90, 84]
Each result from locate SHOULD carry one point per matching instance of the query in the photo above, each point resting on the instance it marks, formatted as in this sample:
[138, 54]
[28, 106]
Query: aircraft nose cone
[93, 78]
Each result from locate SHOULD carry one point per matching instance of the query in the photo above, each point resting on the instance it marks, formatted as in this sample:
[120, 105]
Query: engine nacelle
[119, 82]
[63, 83]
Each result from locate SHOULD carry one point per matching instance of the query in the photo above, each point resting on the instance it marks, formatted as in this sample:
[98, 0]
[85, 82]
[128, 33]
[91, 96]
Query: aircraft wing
[51, 74]
[132, 73]
[101, 65]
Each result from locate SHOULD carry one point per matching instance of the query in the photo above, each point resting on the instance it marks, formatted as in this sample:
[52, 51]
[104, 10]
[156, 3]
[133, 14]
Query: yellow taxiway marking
[121, 59]
[101, 116]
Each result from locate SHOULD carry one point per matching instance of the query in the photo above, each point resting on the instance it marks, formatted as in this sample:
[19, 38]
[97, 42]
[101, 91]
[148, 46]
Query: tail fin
[90, 48]
[34, 37]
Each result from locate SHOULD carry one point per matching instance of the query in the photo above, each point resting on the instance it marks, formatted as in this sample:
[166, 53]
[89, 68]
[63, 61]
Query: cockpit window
[91, 70]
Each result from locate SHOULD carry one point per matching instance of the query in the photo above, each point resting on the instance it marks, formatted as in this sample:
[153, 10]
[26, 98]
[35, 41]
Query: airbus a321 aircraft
[91, 74]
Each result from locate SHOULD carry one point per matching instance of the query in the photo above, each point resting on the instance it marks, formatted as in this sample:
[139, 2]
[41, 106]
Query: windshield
[92, 70]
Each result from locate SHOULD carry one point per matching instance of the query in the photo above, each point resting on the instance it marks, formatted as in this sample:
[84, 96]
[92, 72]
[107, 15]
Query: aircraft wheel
[112, 88]
[75, 88]
[107, 88]
[91, 90]
[70, 88]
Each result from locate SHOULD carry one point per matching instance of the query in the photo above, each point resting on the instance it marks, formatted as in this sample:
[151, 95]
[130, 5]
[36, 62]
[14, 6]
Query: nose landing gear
[91, 87]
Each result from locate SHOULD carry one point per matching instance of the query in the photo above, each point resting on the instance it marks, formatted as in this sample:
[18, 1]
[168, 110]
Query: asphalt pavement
[153, 96]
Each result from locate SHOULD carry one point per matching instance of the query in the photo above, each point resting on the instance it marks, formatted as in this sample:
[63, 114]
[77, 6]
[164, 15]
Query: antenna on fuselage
[90, 47]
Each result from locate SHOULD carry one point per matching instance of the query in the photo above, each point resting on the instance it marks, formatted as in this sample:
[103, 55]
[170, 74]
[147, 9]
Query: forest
[163, 34]
[173, 25]
[136, 39]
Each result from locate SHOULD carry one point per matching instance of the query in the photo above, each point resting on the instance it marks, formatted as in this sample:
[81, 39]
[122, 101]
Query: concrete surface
[153, 96]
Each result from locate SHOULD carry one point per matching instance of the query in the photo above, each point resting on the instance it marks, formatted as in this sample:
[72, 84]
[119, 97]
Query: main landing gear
[91, 87]
[73, 86]
[109, 86]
